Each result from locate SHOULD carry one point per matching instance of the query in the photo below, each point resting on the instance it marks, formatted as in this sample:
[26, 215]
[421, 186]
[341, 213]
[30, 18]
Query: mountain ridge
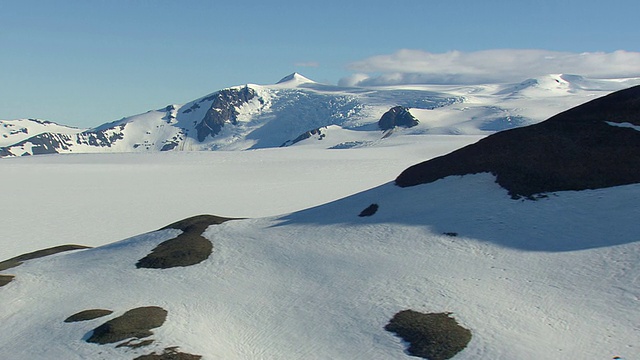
[258, 116]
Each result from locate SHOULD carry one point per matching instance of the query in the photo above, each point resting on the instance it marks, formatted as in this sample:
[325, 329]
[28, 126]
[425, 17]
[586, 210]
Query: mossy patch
[136, 323]
[86, 315]
[170, 353]
[434, 336]
[188, 248]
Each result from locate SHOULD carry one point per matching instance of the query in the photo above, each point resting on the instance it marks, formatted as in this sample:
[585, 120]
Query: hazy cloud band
[488, 66]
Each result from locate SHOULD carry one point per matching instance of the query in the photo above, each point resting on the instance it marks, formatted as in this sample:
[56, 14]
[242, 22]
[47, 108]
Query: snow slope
[95, 199]
[555, 278]
[13, 131]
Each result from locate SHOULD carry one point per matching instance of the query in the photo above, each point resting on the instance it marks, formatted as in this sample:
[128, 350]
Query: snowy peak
[258, 116]
[13, 131]
[295, 79]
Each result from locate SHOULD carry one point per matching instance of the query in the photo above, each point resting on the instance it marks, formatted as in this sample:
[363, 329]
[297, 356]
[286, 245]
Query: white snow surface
[95, 199]
[546, 279]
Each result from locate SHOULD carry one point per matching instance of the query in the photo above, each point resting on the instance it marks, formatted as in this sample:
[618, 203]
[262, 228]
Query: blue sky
[84, 63]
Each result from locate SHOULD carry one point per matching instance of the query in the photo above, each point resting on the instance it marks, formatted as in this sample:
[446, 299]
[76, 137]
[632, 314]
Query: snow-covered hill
[551, 278]
[263, 116]
[15, 131]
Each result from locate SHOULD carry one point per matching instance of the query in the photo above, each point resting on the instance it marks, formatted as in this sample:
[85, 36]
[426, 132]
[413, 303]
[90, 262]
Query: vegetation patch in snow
[135, 323]
[5, 279]
[433, 336]
[170, 353]
[189, 248]
[88, 315]
[15, 261]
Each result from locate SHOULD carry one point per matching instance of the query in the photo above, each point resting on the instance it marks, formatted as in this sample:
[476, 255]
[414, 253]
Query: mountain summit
[295, 78]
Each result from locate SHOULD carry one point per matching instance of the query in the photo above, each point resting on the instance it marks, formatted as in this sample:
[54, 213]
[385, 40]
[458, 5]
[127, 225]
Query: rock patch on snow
[574, 150]
[18, 260]
[136, 323]
[86, 315]
[170, 353]
[433, 336]
[5, 279]
[397, 116]
[188, 248]
[369, 210]
[15, 261]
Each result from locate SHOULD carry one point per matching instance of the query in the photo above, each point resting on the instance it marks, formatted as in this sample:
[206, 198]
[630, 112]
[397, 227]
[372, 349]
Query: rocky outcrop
[54, 143]
[135, 323]
[397, 116]
[433, 336]
[223, 110]
[188, 248]
[306, 135]
[594, 145]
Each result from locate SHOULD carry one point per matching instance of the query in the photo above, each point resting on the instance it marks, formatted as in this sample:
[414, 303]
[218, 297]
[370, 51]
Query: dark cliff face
[223, 110]
[397, 116]
[574, 150]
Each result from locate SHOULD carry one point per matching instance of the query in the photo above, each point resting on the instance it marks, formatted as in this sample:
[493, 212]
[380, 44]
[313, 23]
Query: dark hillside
[574, 150]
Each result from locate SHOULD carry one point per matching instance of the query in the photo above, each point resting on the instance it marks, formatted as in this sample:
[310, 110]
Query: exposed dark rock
[574, 150]
[305, 136]
[435, 336]
[88, 315]
[5, 279]
[370, 210]
[223, 110]
[189, 248]
[134, 343]
[15, 261]
[397, 116]
[169, 146]
[101, 137]
[170, 353]
[136, 323]
[53, 143]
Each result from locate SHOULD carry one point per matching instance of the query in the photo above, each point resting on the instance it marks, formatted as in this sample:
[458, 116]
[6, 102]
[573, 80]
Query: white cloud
[488, 66]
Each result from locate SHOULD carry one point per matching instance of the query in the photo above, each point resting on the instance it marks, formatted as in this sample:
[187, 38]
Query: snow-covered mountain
[15, 131]
[295, 108]
[452, 267]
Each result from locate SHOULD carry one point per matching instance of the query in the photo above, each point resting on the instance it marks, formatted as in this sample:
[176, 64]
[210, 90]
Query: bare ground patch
[15, 261]
[136, 323]
[88, 315]
[5, 279]
[188, 248]
[434, 336]
[170, 353]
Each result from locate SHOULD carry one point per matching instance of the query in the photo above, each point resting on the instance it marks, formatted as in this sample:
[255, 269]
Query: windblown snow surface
[557, 277]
